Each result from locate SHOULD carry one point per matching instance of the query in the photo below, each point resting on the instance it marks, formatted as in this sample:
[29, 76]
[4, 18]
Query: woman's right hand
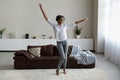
[40, 6]
[43, 11]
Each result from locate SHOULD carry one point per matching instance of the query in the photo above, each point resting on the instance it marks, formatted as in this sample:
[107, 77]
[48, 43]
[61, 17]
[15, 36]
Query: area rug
[49, 74]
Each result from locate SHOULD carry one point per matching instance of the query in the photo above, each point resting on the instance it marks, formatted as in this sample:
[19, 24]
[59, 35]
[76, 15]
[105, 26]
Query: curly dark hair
[58, 17]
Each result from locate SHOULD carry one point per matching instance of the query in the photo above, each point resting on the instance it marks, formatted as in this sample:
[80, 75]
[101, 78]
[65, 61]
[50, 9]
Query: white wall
[24, 16]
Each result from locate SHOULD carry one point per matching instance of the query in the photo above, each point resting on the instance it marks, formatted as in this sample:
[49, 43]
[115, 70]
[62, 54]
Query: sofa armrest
[20, 58]
[24, 53]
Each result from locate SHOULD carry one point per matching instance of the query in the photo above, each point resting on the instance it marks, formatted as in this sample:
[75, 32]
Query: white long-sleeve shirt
[60, 31]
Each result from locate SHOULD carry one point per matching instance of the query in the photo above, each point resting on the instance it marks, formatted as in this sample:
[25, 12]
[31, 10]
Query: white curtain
[112, 30]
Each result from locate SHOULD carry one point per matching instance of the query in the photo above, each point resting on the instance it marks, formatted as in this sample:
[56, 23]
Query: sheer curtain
[112, 30]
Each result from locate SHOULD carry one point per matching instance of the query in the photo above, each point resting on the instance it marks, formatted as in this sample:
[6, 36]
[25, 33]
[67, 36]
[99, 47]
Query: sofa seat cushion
[54, 58]
[71, 58]
[43, 62]
[46, 58]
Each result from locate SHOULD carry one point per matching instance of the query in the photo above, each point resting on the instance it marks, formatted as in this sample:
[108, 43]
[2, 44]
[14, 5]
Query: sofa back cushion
[46, 50]
[50, 50]
[56, 52]
[69, 49]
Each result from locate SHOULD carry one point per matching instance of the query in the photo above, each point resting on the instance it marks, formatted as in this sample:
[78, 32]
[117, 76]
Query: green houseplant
[1, 32]
[78, 31]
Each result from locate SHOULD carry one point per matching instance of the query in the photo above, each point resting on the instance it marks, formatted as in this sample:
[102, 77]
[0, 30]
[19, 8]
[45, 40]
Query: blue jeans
[62, 48]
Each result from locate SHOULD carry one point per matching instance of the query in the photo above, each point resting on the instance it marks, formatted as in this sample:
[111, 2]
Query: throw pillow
[35, 52]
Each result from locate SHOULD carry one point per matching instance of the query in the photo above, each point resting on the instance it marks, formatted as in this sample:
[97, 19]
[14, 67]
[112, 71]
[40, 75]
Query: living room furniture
[17, 44]
[49, 58]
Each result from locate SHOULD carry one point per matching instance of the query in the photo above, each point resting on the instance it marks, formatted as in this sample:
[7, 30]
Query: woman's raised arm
[82, 20]
[44, 15]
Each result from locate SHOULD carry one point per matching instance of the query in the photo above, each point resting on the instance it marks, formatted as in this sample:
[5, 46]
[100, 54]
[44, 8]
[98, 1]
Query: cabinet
[18, 44]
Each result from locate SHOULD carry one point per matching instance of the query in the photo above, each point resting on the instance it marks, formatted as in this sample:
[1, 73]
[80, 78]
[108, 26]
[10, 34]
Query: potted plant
[78, 32]
[1, 32]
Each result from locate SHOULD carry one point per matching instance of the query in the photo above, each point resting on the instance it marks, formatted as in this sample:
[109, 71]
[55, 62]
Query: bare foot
[57, 72]
[64, 72]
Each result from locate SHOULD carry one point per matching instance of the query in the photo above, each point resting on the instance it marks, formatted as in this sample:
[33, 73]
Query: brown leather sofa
[49, 59]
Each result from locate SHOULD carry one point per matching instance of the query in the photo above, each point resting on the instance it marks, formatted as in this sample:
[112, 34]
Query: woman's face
[61, 20]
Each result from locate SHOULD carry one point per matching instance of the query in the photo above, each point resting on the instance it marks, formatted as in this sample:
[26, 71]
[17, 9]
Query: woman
[61, 37]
